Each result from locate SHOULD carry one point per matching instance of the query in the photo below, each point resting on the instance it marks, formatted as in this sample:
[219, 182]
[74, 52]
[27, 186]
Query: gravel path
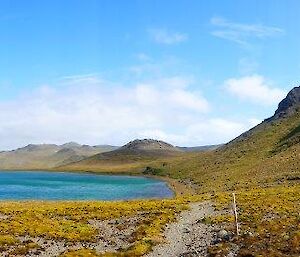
[188, 236]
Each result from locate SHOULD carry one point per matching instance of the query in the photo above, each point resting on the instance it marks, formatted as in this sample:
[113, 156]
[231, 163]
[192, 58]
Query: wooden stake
[235, 215]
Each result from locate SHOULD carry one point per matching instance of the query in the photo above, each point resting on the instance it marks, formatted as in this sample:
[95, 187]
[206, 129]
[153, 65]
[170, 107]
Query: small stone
[216, 241]
[224, 235]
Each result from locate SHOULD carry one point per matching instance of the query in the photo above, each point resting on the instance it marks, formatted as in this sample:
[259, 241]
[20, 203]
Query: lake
[43, 185]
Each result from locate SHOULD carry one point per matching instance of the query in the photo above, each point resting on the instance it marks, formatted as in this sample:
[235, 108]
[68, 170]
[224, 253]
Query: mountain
[45, 156]
[133, 155]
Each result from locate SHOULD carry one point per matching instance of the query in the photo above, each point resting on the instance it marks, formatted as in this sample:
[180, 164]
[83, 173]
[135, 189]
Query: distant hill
[132, 155]
[148, 147]
[45, 156]
[73, 155]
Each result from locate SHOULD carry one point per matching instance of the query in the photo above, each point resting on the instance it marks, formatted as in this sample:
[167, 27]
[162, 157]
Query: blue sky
[188, 72]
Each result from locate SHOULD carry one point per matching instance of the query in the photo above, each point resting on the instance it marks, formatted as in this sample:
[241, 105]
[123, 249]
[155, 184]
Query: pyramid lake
[45, 185]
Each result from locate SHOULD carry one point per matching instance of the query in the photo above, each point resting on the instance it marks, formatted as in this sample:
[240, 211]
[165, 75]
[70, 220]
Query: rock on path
[188, 236]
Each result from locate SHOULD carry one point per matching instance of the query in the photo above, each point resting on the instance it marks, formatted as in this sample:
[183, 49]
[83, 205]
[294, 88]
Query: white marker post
[235, 215]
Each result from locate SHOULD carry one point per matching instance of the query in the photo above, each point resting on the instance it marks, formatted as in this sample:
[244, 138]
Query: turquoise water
[43, 185]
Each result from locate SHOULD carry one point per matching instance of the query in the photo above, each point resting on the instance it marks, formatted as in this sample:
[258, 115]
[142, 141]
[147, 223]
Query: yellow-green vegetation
[71, 222]
[16, 247]
[269, 221]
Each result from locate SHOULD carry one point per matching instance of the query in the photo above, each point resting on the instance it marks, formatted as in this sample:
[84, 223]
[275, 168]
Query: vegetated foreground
[54, 228]
[269, 226]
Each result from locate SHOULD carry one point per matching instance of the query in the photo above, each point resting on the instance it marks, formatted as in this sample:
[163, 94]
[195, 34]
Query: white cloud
[163, 36]
[91, 110]
[162, 135]
[184, 99]
[256, 89]
[222, 130]
[242, 33]
[210, 131]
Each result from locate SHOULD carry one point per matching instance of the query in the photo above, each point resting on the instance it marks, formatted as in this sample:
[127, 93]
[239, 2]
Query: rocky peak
[290, 104]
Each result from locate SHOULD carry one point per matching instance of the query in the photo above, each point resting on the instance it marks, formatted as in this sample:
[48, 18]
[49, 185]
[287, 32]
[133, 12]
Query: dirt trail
[188, 236]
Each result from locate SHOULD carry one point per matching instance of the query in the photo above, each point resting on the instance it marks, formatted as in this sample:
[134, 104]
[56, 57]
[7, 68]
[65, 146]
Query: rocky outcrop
[289, 105]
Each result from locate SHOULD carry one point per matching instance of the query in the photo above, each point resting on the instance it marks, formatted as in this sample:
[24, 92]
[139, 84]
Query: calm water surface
[22, 185]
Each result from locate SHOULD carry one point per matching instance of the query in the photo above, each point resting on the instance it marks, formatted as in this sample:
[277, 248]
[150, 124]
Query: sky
[106, 72]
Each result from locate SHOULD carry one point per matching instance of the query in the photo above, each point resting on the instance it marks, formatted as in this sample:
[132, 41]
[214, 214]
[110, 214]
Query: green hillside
[268, 154]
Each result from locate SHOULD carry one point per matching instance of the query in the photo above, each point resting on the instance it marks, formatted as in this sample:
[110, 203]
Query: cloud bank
[90, 110]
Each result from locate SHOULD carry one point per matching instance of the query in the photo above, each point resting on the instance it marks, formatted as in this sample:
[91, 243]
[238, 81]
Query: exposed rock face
[290, 104]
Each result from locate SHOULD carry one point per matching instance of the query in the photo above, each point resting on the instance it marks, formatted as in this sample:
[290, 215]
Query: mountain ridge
[45, 156]
[53, 156]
